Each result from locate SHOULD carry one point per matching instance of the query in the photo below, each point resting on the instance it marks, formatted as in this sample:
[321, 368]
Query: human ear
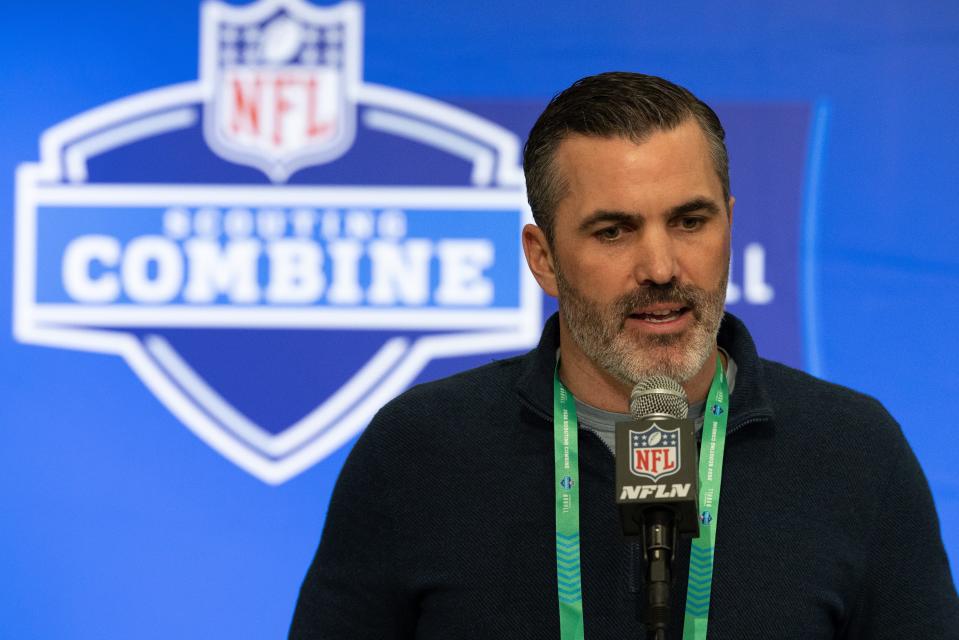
[539, 257]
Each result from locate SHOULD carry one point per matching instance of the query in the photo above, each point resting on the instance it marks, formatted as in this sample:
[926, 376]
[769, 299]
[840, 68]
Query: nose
[657, 262]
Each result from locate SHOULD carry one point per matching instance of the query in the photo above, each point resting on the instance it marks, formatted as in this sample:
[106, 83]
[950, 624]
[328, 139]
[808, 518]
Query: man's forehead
[688, 132]
[667, 163]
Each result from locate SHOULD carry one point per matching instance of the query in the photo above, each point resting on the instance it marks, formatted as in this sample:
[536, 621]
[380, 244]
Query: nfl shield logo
[654, 453]
[281, 80]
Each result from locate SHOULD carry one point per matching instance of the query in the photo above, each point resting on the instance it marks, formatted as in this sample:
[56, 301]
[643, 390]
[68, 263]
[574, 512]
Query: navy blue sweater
[442, 525]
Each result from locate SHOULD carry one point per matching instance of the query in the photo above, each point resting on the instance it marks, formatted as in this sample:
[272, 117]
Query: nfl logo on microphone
[277, 248]
[654, 452]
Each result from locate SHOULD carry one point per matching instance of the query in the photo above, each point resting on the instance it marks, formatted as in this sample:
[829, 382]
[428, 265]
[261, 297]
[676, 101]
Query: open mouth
[660, 316]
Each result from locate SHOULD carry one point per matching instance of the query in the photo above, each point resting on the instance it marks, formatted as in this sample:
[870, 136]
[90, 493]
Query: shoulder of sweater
[786, 381]
[474, 385]
[797, 393]
[472, 392]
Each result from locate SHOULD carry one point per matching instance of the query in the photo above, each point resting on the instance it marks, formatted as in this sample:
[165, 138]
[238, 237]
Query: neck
[590, 384]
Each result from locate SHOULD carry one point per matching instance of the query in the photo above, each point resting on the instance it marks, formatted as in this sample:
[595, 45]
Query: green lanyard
[569, 587]
[702, 552]
[566, 452]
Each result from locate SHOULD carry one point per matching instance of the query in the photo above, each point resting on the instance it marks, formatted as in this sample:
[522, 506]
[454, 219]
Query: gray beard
[600, 331]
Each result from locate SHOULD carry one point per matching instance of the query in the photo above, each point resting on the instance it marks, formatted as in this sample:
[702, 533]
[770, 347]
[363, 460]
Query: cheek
[707, 265]
[602, 278]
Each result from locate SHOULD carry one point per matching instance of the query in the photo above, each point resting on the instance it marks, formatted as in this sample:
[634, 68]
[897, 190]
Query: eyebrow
[696, 204]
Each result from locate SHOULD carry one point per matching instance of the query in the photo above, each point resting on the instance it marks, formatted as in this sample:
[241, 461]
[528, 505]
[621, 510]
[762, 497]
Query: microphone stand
[659, 544]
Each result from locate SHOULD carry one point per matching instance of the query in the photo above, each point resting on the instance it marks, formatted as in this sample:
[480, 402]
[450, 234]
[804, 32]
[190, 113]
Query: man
[442, 524]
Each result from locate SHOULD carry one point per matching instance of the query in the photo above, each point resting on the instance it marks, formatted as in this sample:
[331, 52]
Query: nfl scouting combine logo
[277, 248]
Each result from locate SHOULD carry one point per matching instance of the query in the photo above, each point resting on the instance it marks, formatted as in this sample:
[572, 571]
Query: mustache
[670, 293]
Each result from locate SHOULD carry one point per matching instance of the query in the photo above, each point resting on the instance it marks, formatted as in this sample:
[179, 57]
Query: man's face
[641, 252]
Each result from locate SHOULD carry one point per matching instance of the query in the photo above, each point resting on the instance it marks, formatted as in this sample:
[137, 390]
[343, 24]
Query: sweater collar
[750, 402]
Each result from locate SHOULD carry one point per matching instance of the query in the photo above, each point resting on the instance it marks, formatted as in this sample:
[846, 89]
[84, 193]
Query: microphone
[657, 484]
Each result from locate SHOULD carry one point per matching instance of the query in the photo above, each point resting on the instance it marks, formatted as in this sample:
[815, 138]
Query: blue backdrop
[120, 522]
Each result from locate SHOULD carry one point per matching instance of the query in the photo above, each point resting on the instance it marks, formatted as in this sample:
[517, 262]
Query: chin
[632, 363]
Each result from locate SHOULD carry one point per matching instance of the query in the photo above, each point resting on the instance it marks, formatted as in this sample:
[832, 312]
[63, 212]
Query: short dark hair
[613, 104]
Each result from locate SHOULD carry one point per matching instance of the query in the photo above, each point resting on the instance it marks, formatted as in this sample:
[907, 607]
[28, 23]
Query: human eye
[691, 223]
[610, 233]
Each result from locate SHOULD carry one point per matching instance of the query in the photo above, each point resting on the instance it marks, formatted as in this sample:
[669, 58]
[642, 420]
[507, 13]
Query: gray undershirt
[603, 423]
